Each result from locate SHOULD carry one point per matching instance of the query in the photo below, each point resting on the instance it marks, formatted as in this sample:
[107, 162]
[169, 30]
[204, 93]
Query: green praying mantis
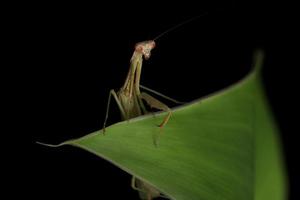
[129, 99]
[130, 102]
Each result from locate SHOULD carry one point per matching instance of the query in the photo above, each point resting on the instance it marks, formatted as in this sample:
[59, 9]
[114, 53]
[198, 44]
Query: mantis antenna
[179, 25]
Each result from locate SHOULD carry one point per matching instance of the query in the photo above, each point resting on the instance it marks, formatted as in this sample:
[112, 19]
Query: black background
[70, 56]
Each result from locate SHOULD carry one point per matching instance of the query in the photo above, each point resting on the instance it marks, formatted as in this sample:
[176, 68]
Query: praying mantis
[130, 102]
[130, 99]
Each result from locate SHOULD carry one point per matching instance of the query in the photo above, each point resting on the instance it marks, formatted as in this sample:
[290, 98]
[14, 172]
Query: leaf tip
[50, 145]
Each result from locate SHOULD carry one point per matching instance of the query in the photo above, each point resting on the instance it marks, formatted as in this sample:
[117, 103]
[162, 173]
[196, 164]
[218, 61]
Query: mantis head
[145, 48]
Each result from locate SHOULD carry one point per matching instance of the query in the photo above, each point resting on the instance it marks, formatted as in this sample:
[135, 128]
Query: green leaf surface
[224, 146]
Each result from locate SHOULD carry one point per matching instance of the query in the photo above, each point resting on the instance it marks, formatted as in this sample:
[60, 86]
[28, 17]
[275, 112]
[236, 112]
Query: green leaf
[224, 146]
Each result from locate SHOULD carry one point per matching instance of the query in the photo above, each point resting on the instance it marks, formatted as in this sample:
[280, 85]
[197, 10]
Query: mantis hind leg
[142, 193]
[165, 120]
[148, 192]
[133, 184]
[154, 103]
[113, 93]
[161, 95]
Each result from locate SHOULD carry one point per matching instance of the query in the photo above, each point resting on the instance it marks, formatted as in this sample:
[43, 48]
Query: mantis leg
[161, 95]
[113, 93]
[133, 185]
[140, 101]
[148, 194]
[154, 103]
[144, 193]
